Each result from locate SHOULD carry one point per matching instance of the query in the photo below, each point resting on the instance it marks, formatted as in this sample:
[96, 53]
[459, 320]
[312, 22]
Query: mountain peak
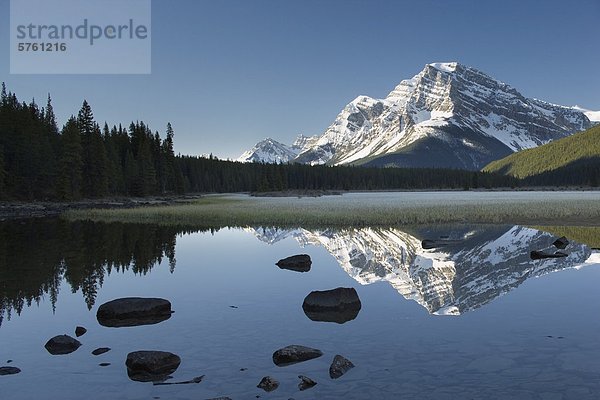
[444, 66]
[447, 116]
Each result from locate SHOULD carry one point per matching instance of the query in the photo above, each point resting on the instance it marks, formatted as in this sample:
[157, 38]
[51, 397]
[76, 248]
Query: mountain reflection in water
[479, 264]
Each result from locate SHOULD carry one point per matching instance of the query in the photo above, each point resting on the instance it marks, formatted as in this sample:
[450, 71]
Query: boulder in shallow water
[298, 263]
[9, 371]
[561, 243]
[62, 344]
[80, 331]
[305, 382]
[294, 354]
[133, 311]
[337, 305]
[151, 366]
[540, 255]
[268, 384]
[100, 350]
[339, 366]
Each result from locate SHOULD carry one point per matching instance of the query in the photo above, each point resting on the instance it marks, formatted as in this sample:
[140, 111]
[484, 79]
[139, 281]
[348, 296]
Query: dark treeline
[582, 172]
[36, 255]
[39, 160]
[211, 175]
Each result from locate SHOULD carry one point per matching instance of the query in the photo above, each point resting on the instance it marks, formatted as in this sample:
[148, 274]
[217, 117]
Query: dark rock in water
[337, 305]
[561, 243]
[62, 344]
[104, 364]
[294, 354]
[151, 366]
[133, 311]
[305, 382]
[540, 255]
[8, 361]
[101, 350]
[80, 331]
[268, 384]
[9, 370]
[298, 263]
[197, 379]
[428, 244]
[339, 366]
[220, 398]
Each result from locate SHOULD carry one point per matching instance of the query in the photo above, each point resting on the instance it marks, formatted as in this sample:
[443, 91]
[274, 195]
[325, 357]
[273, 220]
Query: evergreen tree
[50, 118]
[3, 95]
[69, 182]
[99, 165]
[2, 173]
[85, 123]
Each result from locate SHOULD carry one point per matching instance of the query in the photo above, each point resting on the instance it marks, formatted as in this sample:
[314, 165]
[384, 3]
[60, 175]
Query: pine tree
[50, 118]
[3, 95]
[69, 182]
[99, 165]
[85, 123]
[2, 173]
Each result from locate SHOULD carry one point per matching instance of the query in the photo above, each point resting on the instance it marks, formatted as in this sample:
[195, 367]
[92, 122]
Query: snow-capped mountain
[478, 265]
[593, 116]
[272, 151]
[448, 115]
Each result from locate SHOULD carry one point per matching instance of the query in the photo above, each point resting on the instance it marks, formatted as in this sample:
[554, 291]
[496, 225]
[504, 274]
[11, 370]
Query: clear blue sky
[229, 73]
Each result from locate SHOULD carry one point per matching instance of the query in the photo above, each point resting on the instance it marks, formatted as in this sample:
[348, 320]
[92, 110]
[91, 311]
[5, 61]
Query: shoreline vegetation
[353, 210]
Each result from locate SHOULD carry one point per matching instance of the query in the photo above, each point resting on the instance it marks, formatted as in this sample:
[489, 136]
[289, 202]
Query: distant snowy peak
[459, 113]
[593, 116]
[272, 151]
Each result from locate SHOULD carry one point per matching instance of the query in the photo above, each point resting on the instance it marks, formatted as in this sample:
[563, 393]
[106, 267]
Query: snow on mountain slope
[593, 116]
[272, 151]
[462, 109]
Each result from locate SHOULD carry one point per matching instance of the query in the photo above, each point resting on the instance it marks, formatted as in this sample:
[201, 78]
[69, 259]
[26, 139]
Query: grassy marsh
[367, 209]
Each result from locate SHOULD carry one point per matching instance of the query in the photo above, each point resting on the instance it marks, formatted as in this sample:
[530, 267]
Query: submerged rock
[133, 311]
[268, 384]
[298, 263]
[561, 243]
[305, 382]
[197, 379]
[339, 366]
[80, 331]
[100, 350]
[9, 371]
[540, 255]
[104, 364]
[294, 354]
[337, 305]
[151, 366]
[62, 344]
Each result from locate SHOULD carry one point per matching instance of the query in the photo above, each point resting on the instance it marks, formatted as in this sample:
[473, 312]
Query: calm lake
[473, 317]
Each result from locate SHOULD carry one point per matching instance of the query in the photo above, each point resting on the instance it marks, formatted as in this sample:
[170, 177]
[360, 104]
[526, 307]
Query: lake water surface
[472, 318]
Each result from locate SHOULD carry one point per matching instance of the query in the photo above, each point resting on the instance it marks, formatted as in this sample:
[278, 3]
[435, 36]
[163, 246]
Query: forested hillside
[83, 159]
[574, 160]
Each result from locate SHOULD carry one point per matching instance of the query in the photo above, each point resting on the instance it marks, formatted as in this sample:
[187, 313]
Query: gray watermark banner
[80, 37]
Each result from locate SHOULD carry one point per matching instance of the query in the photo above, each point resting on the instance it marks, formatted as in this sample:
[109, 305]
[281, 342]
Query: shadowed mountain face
[477, 264]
